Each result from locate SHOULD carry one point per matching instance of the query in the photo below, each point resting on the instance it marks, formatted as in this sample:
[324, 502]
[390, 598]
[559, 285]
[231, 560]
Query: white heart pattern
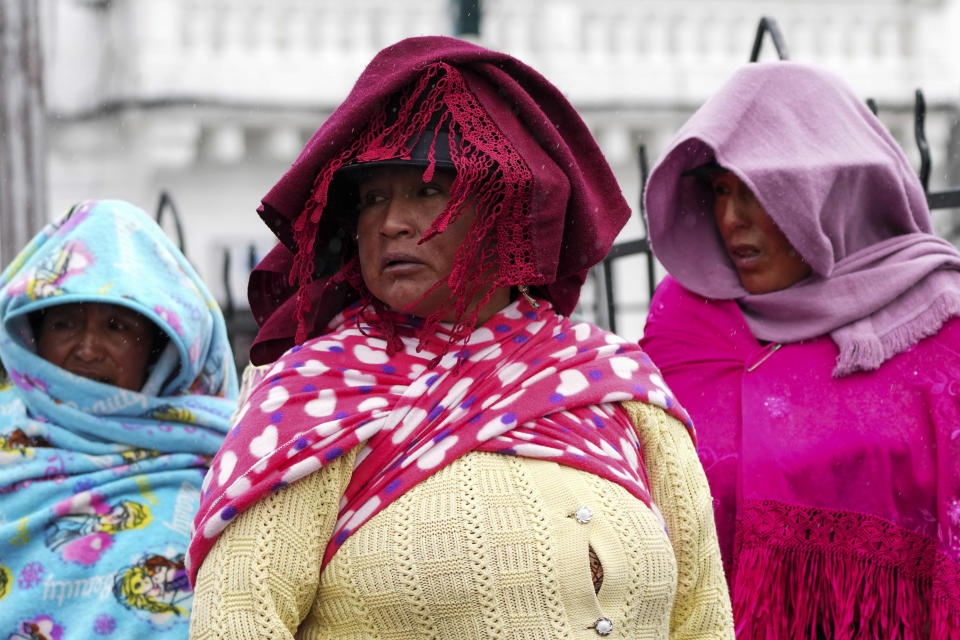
[265, 443]
[536, 451]
[227, 462]
[658, 398]
[616, 396]
[480, 335]
[511, 372]
[367, 355]
[437, 453]
[408, 424]
[275, 399]
[513, 312]
[370, 404]
[487, 353]
[494, 428]
[581, 331]
[363, 512]
[572, 382]
[325, 345]
[549, 371]
[323, 405]
[300, 469]
[238, 487]
[506, 402]
[564, 354]
[312, 368]
[624, 367]
[354, 378]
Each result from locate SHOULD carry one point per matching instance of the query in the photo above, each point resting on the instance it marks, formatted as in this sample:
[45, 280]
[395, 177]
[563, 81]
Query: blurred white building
[211, 100]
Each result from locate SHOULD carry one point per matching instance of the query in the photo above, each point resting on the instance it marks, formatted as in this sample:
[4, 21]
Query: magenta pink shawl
[839, 187]
[835, 498]
[834, 459]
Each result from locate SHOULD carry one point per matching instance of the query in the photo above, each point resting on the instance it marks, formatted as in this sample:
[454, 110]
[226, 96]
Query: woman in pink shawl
[809, 326]
[431, 447]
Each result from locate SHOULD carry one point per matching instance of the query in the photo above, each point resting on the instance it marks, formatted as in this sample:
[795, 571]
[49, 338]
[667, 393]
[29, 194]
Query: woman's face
[396, 209]
[103, 342]
[763, 257]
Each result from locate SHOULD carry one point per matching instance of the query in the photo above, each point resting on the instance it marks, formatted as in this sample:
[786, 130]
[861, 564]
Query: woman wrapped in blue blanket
[120, 386]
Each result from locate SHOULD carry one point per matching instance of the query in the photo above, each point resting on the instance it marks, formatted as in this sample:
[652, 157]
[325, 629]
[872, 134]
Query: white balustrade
[213, 99]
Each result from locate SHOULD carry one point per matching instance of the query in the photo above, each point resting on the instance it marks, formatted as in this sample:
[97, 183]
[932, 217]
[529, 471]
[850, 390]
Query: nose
[89, 347]
[730, 215]
[398, 219]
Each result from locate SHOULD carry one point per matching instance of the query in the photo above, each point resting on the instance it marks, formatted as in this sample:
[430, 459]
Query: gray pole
[467, 19]
[22, 151]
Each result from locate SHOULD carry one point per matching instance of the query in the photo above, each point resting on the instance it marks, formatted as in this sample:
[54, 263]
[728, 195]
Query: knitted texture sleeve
[260, 580]
[702, 604]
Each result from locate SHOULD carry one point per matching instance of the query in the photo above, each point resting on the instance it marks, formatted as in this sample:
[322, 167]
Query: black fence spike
[228, 308]
[920, 135]
[769, 25]
[166, 202]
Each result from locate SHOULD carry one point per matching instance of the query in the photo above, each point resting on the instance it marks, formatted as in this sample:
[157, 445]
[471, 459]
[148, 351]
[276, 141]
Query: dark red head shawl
[561, 217]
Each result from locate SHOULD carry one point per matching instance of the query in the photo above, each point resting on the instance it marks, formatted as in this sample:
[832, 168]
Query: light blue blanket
[98, 484]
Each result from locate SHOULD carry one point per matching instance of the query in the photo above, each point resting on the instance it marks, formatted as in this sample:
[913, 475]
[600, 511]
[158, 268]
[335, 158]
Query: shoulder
[669, 292]
[679, 318]
[947, 338]
[672, 302]
[666, 442]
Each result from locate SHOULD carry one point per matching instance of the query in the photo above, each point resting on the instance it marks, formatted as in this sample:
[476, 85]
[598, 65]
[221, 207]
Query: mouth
[744, 255]
[89, 374]
[392, 262]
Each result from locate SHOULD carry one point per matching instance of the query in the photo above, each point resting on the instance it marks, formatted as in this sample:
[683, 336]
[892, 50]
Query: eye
[125, 322]
[429, 190]
[745, 194]
[60, 322]
[721, 189]
[371, 198]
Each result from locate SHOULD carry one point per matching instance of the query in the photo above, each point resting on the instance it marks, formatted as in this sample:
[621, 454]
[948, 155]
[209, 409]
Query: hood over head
[555, 207]
[837, 184]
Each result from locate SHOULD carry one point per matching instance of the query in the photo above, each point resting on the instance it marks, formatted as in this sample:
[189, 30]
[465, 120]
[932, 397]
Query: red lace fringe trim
[491, 176]
[801, 572]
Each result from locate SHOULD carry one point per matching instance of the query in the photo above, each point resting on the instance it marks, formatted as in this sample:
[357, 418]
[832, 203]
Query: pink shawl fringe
[866, 579]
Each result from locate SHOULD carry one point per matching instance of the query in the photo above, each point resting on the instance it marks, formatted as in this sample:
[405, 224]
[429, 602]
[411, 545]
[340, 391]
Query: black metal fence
[242, 328]
[607, 306]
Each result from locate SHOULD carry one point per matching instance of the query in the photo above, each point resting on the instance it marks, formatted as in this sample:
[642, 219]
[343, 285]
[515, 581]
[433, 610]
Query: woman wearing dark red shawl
[431, 448]
[810, 326]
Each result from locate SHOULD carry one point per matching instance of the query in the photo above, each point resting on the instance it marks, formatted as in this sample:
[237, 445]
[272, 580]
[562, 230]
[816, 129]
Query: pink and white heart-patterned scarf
[529, 383]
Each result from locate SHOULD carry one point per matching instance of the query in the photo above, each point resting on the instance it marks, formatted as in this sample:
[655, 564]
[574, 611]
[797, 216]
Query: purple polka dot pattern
[531, 384]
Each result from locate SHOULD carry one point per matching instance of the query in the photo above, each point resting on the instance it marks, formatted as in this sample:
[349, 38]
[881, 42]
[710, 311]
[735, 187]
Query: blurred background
[193, 109]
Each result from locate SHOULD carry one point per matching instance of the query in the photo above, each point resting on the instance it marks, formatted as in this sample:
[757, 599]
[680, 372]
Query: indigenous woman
[809, 325]
[121, 386]
[433, 448]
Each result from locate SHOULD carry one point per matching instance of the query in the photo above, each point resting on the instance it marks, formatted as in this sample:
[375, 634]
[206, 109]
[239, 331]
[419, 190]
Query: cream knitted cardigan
[488, 547]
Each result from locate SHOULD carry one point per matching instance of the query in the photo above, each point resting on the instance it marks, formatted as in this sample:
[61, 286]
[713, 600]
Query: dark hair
[706, 171]
[160, 338]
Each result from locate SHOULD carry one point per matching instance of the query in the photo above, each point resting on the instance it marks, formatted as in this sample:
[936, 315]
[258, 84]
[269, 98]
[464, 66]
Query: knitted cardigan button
[603, 626]
[583, 515]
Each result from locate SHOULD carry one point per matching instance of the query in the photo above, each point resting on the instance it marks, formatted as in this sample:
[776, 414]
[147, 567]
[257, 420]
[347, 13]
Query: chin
[755, 288]
[418, 305]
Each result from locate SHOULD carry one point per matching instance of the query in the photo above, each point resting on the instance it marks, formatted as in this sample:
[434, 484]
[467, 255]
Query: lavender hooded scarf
[838, 186]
